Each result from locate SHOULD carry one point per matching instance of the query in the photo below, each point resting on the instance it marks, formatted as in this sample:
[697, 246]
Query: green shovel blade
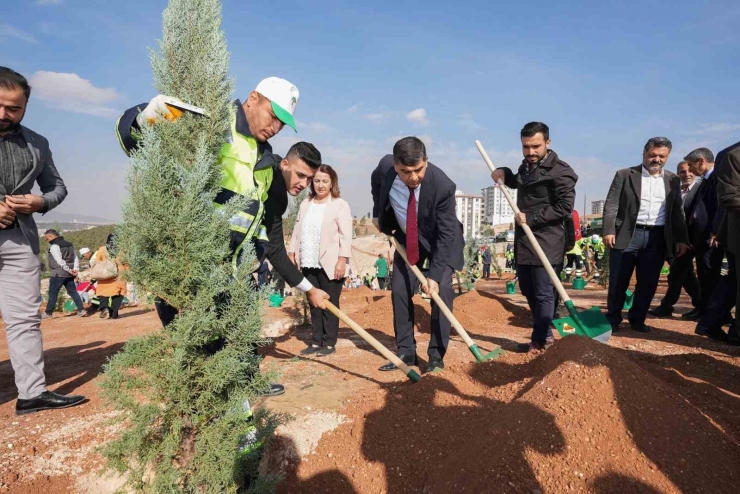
[590, 323]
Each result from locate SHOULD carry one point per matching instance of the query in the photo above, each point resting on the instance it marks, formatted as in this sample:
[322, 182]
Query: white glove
[157, 110]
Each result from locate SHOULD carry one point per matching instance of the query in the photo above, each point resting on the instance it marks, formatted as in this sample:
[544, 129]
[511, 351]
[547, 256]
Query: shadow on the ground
[81, 362]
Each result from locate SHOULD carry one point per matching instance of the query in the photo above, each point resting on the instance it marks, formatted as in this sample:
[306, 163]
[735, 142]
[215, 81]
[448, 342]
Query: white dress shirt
[399, 197]
[684, 193]
[652, 200]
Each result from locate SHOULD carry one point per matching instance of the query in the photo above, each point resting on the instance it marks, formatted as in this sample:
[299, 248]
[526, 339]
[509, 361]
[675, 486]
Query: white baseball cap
[84, 251]
[284, 97]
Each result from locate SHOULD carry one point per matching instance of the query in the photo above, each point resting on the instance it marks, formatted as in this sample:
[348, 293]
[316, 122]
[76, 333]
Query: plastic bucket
[579, 283]
[510, 287]
[276, 300]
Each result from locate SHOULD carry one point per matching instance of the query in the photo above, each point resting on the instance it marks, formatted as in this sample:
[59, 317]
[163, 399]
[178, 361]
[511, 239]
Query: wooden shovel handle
[437, 299]
[528, 231]
[368, 337]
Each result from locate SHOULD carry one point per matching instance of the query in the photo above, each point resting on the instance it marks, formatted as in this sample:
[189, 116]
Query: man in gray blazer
[643, 225]
[25, 158]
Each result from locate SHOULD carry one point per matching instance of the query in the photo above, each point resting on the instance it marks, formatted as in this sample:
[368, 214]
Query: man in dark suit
[700, 221]
[643, 225]
[414, 201]
[727, 219]
[545, 195]
[682, 268]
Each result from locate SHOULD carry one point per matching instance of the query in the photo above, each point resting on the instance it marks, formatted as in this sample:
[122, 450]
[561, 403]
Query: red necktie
[412, 230]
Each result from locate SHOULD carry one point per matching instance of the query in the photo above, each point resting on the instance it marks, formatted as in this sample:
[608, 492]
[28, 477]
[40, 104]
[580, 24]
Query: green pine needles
[182, 407]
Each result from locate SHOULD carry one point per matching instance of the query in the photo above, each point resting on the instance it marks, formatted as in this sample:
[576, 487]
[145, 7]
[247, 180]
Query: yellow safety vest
[243, 178]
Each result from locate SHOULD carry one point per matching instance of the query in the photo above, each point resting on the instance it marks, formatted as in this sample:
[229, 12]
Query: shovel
[497, 352]
[590, 323]
[410, 373]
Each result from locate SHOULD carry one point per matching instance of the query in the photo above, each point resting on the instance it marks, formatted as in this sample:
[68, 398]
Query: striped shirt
[16, 161]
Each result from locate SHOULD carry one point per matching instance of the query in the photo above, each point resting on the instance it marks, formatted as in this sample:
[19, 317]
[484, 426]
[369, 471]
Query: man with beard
[643, 225]
[25, 159]
[546, 192]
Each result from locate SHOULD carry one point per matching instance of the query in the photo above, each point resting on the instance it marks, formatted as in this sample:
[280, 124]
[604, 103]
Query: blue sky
[604, 76]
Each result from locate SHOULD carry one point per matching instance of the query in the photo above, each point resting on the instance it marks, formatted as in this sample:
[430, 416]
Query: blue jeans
[55, 284]
[537, 286]
[646, 253]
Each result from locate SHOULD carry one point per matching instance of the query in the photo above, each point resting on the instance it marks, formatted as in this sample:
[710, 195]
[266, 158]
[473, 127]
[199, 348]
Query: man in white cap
[251, 169]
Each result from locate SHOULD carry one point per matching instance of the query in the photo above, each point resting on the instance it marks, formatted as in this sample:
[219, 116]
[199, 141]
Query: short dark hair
[10, 79]
[409, 151]
[705, 153]
[305, 151]
[51, 231]
[678, 166]
[658, 142]
[334, 190]
[534, 128]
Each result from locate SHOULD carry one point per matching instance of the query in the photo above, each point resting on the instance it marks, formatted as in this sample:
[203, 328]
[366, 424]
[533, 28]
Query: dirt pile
[582, 417]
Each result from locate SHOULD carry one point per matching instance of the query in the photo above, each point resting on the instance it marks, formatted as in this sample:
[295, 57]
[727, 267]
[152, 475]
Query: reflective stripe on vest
[238, 159]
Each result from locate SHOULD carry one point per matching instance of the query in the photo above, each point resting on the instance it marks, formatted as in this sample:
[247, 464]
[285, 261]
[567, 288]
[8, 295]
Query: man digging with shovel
[414, 201]
[546, 188]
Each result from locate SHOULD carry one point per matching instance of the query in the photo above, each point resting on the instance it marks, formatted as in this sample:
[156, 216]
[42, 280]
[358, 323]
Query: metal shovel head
[591, 323]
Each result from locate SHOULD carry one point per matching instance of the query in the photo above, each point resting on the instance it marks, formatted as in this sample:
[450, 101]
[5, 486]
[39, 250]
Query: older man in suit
[25, 158]
[682, 273]
[643, 225]
[414, 201]
[702, 231]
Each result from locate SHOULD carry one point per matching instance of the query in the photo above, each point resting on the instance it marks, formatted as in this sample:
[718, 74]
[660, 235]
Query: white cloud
[375, 117]
[52, 29]
[48, 2]
[716, 128]
[72, 93]
[418, 116]
[317, 127]
[354, 108]
[466, 120]
[8, 31]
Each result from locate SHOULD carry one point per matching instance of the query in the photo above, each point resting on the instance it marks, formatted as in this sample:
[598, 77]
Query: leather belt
[648, 227]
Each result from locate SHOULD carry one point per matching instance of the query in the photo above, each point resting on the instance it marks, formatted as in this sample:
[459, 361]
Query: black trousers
[111, 303]
[682, 275]
[646, 254]
[723, 298]
[402, 286]
[486, 270]
[55, 284]
[382, 283]
[539, 289]
[325, 324]
[708, 267]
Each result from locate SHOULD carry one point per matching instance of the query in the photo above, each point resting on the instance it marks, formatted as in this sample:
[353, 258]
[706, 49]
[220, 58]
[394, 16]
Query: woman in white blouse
[321, 246]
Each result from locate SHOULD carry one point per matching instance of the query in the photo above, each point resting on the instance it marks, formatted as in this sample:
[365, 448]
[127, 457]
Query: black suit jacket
[727, 169]
[440, 232]
[547, 199]
[623, 205]
[702, 210]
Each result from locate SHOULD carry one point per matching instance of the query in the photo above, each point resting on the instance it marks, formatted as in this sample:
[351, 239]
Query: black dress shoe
[641, 328]
[660, 311]
[733, 340]
[310, 349]
[274, 390]
[692, 315]
[46, 401]
[522, 347]
[714, 333]
[326, 350]
[435, 365]
[406, 359]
